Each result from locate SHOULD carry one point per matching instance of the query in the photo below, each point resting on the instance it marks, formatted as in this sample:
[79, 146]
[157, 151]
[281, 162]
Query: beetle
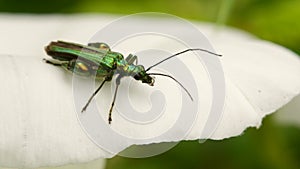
[99, 61]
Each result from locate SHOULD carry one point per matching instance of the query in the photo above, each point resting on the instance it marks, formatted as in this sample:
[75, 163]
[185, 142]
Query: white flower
[38, 121]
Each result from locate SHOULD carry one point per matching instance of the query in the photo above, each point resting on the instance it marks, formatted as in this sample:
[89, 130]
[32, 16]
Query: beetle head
[140, 74]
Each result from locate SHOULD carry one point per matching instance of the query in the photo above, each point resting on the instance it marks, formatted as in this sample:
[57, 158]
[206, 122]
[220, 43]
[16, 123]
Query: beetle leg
[94, 94]
[118, 80]
[107, 79]
[53, 62]
[100, 45]
[132, 58]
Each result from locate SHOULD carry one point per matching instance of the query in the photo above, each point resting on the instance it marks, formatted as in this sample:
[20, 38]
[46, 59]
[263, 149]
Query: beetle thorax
[129, 69]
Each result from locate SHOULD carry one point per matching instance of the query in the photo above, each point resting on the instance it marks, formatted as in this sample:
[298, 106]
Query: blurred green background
[273, 146]
[274, 20]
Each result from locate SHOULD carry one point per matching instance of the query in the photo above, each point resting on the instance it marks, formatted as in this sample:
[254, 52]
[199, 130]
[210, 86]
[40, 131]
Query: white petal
[39, 125]
[96, 164]
[266, 74]
[33, 103]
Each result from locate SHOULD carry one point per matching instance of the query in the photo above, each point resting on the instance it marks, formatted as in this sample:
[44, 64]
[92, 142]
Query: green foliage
[273, 20]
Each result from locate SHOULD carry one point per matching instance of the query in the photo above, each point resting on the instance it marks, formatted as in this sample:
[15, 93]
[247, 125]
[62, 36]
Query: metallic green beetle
[97, 60]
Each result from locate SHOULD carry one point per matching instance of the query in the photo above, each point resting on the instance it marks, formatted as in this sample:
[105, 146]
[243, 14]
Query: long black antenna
[179, 53]
[160, 74]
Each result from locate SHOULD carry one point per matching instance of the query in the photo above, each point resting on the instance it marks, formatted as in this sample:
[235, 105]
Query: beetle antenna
[179, 53]
[160, 74]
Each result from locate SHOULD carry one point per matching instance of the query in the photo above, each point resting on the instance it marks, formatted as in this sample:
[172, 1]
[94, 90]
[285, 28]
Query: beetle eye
[137, 76]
